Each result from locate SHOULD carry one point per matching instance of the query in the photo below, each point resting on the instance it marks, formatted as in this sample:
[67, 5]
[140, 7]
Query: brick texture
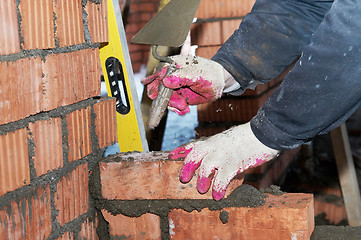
[70, 77]
[71, 197]
[146, 226]
[29, 218]
[37, 24]
[224, 8]
[148, 176]
[69, 22]
[206, 34]
[21, 98]
[14, 161]
[9, 33]
[105, 122]
[79, 138]
[88, 230]
[97, 21]
[47, 137]
[289, 216]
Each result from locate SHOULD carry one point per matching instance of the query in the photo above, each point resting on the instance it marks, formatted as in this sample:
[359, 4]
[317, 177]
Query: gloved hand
[197, 80]
[221, 157]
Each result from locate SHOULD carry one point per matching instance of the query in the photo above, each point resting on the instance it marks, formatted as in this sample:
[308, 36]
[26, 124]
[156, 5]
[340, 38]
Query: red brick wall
[52, 120]
[142, 198]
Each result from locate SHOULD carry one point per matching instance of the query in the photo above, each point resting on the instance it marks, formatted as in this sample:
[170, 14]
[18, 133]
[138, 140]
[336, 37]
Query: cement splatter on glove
[221, 157]
[197, 80]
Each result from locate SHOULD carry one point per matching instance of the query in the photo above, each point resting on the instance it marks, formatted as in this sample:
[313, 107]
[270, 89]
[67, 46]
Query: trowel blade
[170, 26]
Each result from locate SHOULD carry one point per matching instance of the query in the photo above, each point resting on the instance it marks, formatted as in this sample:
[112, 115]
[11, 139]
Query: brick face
[158, 179]
[37, 24]
[97, 21]
[79, 138]
[224, 8]
[71, 197]
[47, 137]
[29, 218]
[21, 98]
[144, 227]
[70, 77]
[105, 122]
[206, 34]
[9, 33]
[14, 161]
[69, 22]
[289, 216]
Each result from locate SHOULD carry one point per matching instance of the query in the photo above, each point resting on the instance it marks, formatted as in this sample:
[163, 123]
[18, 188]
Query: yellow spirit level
[119, 80]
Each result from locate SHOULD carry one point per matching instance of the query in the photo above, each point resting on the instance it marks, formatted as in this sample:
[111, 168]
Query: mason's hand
[221, 157]
[197, 80]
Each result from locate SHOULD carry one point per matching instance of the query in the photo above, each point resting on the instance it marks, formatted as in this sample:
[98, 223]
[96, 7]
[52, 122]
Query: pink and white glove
[221, 157]
[197, 80]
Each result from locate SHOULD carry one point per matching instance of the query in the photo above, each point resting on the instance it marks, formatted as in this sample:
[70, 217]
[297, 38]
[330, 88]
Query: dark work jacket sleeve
[324, 87]
[270, 38]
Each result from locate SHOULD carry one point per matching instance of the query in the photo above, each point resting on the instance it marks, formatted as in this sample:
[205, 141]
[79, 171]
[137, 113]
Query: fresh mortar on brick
[242, 196]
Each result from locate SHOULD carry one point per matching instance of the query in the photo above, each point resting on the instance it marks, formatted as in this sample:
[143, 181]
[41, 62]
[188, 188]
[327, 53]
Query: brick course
[289, 216]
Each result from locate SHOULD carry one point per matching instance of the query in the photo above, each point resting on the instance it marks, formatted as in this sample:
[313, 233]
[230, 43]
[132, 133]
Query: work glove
[196, 80]
[221, 157]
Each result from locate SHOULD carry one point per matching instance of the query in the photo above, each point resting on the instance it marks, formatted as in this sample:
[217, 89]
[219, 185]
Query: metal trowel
[169, 28]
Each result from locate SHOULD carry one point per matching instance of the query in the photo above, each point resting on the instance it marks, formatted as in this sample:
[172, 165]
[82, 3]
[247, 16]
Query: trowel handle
[159, 105]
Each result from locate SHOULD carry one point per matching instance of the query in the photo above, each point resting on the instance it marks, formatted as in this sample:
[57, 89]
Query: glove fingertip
[203, 184]
[218, 195]
[187, 171]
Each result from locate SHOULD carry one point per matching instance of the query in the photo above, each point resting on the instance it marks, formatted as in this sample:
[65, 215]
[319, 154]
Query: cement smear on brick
[336, 233]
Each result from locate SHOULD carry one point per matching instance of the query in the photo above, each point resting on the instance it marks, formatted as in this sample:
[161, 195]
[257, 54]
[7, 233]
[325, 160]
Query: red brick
[88, 230]
[70, 77]
[37, 24]
[14, 161]
[207, 52]
[47, 137]
[71, 197]
[228, 27]
[224, 8]
[269, 173]
[147, 7]
[289, 216]
[148, 176]
[97, 21]
[21, 98]
[146, 226]
[105, 122]
[28, 218]
[206, 34]
[69, 22]
[79, 138]
[9, 33]
[232, 109]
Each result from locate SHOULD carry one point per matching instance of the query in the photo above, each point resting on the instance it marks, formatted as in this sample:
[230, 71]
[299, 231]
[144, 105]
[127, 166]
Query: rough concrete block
[289, 216]
[47, 138]
[148, 176]
[72, 195]
[14, 161]
[146, 226]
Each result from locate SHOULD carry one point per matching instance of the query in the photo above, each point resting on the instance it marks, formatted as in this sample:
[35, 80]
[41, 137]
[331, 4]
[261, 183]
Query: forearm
[324, 87]
[270, 38]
